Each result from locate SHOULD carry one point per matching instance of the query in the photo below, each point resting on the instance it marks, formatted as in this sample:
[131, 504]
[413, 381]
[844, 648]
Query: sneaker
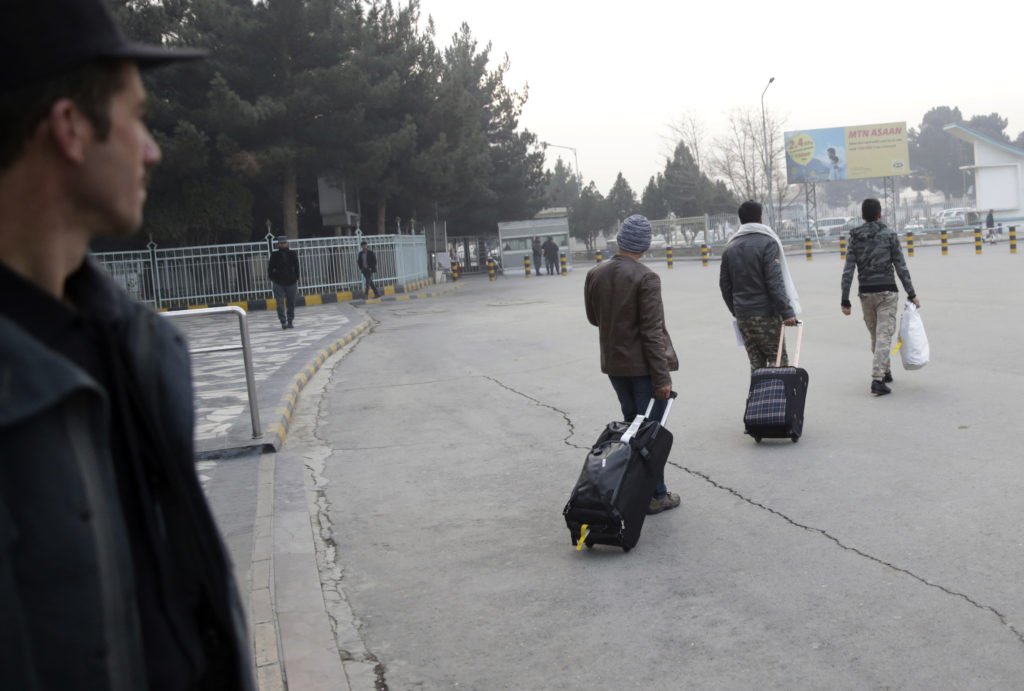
[283, 326]
[659, 504]
[290, 325]
[888, 377]
[879, 388]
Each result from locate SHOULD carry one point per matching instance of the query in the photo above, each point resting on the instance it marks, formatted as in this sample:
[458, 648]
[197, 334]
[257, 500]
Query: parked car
[914, 225]
[959, 218]
[836, 225]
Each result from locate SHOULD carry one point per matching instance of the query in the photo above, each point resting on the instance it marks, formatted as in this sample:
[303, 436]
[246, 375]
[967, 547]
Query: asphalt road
[882, 551]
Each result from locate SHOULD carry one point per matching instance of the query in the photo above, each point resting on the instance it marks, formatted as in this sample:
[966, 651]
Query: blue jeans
[634, 394]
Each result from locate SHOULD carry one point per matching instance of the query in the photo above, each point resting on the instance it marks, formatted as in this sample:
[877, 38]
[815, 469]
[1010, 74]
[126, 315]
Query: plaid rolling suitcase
[775, 403]
[609, 503]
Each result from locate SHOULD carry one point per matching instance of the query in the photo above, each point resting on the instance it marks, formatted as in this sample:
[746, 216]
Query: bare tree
[692, 131]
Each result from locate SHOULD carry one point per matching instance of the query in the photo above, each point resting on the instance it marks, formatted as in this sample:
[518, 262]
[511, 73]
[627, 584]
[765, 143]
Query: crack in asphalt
[565, 416]
[824, 533]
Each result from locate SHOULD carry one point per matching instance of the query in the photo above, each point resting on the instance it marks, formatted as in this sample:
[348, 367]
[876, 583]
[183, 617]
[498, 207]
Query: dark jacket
[67, 603]
[367, 261]
[750, 278]
[550, 250]
[283, 267]
[875, 253]
[623, 300]
[537, 249]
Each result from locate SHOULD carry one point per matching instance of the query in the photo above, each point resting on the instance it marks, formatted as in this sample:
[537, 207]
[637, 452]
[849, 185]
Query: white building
[998, 179]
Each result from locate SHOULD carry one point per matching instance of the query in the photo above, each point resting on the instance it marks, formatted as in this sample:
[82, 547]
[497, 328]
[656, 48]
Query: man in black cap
[112, 571]
[283, 271]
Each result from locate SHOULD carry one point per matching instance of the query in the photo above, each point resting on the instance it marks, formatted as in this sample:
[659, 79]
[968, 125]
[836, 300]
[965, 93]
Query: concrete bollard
[807, 248]
[704, 255]
[977, 240]
[910, 243]
[598, 256]
[526, 265]
[490, 269]
[455, 271]
[944, 237]
[668, 256]
[1013, 239]
[565, 268]
[842, 247]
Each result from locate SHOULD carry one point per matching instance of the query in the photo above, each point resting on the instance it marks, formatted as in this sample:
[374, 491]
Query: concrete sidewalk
[271, 539]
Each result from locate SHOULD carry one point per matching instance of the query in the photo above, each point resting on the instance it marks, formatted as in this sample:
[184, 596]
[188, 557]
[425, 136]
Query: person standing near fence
[367, 262]
[113, 574]
[538, 255]
[283, 271]
[875, 253]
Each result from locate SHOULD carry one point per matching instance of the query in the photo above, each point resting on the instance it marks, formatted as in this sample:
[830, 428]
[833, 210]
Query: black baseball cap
[41, 39]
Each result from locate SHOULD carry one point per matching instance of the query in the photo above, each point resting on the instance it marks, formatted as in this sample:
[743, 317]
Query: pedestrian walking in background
[367, 262]
[876, 255]
[112, 572]
[283, 271]
[623, 300]
[551, 256]
[757, 288]
[538, 255]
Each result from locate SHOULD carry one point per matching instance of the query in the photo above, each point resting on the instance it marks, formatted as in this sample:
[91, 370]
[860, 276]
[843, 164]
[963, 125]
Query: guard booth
[516, 241]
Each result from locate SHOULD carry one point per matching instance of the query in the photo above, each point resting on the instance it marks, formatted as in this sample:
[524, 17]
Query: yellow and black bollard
[526, 265]
[455, 271]
[704, 255]
[668, 256]
[842, 247]
[977, 240]
[1013, 239]
[598, 256]
[807, 248]
[944, 237]
[565, 268]
[490, 269]
[910, 243]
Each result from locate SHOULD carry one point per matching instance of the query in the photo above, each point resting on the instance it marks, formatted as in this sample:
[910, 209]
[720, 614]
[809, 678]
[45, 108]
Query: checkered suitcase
[775, 403]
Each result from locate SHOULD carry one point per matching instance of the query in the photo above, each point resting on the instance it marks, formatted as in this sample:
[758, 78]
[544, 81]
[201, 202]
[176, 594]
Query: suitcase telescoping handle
[638, 420]
[782, 339]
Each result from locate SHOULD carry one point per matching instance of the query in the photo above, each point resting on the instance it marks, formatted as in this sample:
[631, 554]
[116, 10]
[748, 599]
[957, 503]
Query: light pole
[579, 178]
[767, 156]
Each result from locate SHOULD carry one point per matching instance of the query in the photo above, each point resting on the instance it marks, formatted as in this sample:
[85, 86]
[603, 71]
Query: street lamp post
[767, 155]
[579, 178]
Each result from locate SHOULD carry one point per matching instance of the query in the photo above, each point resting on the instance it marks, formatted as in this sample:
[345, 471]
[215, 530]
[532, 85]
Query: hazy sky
[610, 78]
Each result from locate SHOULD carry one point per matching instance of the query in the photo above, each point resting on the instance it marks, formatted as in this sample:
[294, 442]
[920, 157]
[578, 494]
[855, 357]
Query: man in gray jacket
[623, 300]
[754, 282]
[875, 253]
[112, 573]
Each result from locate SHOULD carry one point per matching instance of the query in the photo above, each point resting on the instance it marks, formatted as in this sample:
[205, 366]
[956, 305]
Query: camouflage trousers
[880, 318]
[761, 339]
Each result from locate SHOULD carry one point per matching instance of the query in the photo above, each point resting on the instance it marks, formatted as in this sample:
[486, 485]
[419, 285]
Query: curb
[275, 433]
[403, 291]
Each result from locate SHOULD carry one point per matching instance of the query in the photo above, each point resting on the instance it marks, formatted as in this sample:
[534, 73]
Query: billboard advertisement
[847, 153]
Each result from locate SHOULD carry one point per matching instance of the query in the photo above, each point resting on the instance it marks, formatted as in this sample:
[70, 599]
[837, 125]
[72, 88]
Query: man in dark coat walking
[283, 271]
[367, 262]
[551, 256]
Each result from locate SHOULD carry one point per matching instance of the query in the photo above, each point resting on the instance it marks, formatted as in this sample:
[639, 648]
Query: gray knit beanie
[635, 235]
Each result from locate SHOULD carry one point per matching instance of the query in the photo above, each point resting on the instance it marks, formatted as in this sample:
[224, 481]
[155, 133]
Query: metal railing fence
[184, 276]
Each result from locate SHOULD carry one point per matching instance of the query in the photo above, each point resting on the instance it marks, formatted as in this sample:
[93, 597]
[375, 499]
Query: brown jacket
[623, 299]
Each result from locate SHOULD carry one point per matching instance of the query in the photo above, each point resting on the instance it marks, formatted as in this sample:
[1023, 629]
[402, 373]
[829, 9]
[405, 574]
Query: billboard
[847, 153]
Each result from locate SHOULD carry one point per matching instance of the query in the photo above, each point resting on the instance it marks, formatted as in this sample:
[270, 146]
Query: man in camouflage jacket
[876, 254]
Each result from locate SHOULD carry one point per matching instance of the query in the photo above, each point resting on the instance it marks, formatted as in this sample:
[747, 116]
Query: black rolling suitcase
[775, 403]
[609, 503]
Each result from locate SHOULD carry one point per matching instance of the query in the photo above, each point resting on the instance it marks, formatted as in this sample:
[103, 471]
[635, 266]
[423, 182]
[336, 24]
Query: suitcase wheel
[625, 549]
[757, 439]
[795, 438]
[589, 544]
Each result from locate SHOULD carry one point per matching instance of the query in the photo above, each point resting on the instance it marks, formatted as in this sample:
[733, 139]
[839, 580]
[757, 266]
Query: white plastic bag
[913, 345]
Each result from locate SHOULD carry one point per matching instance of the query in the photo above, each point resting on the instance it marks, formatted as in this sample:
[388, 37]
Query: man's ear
[70, 130]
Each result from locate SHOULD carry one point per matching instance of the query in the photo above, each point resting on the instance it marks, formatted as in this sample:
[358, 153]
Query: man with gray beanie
[113, 574]
[623, 300]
